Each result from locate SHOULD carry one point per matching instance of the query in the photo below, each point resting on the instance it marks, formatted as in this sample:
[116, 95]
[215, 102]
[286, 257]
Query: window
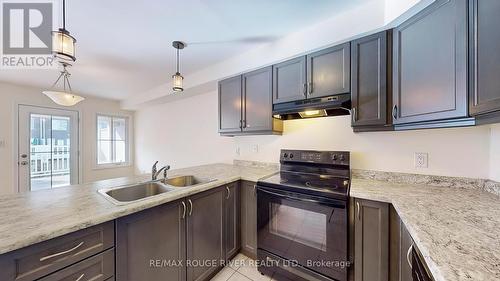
[112, 140]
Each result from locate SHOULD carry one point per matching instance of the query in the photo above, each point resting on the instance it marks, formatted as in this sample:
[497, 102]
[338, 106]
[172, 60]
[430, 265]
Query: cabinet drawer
[97, 268]
[46, 257]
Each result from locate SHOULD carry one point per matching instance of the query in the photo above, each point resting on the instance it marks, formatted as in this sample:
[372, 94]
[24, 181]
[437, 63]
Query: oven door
[309, 230]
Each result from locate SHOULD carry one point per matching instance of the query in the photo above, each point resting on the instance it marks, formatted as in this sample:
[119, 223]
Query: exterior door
[47, 148]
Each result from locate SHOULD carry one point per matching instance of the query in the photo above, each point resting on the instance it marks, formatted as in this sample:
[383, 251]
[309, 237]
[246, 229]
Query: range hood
[314, 107]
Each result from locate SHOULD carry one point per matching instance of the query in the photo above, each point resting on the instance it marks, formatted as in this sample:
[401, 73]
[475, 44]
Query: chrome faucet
[155, 172]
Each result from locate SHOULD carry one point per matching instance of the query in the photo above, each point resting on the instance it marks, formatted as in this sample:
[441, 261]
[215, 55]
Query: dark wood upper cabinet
[371, 241]
[289, 80]
[258, 100]
[248, 219]
[205, 233]
[153, 234]
[430, 64]
[328, 71]
[485, 57]
[230, 105]
[370, 74]
[232, 220]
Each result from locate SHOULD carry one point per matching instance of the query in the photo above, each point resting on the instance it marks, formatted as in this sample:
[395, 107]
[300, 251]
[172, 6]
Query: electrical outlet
[255, 148]
[238, 150]
[421, 160]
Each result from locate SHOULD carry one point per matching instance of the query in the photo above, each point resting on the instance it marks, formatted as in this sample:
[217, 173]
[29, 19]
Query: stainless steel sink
[183, 181]
[131, 193]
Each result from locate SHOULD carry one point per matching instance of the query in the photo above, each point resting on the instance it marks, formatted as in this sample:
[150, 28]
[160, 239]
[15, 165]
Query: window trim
[128, 142]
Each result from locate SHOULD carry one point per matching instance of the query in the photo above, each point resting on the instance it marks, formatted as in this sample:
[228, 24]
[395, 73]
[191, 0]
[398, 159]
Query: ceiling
[124, 46]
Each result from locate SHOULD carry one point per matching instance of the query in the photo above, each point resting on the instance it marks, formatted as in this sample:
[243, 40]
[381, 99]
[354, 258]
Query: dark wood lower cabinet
[248, 219]
[371, 241]
[148, 240]
[205, 234]
[232, 220]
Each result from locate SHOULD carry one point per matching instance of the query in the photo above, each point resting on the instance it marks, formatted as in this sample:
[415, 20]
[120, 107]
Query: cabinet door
[230, 105]
[329, 71]
[371, 241]
[369, 93]
[205, 233]
[430, 64]
[258, 100]
[232, 220]
[485, 57]
[405, 254]
[289, 80]
[249, 219]
[148, 237]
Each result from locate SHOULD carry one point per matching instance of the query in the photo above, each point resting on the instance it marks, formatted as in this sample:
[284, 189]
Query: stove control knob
[334, 157]
[285, 155]
[342, 157]
[291, 155]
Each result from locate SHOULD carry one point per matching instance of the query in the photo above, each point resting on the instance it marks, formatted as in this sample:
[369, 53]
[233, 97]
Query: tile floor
[241, 268]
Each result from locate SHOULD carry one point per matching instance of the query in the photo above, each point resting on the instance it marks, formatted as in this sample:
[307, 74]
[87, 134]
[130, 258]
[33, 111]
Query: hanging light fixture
[177, 77]
[63, 44]
[64, 98]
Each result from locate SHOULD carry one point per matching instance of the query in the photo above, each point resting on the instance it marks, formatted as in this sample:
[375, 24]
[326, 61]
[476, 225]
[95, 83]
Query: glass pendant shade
[63, 98]
[63, 45]
[177, 82]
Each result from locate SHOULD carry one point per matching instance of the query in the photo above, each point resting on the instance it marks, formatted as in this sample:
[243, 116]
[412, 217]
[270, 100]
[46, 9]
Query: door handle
[354, 115]
[183, 210]
[24, 163]
[310, 88]
[395, 112]
[228, 192]
[408, 256]
[359, 212]
[190, 207]
[305, 89]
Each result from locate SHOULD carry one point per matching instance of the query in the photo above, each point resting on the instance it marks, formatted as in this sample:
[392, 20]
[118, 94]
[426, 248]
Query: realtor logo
[27, 34]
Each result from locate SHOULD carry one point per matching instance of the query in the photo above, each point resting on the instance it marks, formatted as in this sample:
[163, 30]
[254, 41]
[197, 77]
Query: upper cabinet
[245, 104]
[371, 89]
[230, 105]
[430, 64]
[290, 81]
[328, 71]
[485, 57]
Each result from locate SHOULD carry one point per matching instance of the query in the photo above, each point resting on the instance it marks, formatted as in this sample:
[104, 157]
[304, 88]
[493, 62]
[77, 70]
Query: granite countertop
[33, 217]
[457, 230]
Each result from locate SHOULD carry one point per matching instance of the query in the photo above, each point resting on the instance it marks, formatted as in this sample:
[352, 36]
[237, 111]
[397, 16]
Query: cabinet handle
[62, 253]
[254, 189]
[183, 210]
[305, 89]
[310, 88]
[359, 212]
[80, 278]
[354, 115]
[408, 256]
[228, 192]
[395, 112]
[245, 124]
[190, 206]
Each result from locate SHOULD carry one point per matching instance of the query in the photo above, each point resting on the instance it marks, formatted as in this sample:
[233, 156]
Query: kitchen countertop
[457, 230]
[33, 217]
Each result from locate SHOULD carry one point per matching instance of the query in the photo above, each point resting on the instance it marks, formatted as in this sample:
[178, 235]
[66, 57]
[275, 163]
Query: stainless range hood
[314, 107]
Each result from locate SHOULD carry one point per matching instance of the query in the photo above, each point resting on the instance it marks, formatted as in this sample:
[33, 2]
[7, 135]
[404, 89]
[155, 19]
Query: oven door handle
[327, 202]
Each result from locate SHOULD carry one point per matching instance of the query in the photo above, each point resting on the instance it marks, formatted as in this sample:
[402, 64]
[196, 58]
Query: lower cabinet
[184, 240]
[248, 219]
[400, 248]
[205, 233]
[148, 240]
[371, 241]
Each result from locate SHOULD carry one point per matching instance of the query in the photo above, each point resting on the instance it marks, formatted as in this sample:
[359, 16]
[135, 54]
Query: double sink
[132, 193]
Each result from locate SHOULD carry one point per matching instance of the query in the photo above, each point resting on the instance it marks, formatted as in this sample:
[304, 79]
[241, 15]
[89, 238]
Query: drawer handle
[62, 253]
[408, 256]
[80, 278]
[228, 193]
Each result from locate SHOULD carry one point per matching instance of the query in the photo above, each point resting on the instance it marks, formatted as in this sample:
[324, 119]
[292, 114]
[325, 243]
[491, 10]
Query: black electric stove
[302, 217]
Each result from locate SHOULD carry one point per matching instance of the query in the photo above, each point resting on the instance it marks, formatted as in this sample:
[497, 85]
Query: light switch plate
[238, 150]
[255, 148]
[2, 143]
[421, 160]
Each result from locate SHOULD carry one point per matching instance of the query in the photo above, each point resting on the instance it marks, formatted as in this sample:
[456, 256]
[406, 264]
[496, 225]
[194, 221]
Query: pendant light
[177, 77]
[63, 44]
[64, 97]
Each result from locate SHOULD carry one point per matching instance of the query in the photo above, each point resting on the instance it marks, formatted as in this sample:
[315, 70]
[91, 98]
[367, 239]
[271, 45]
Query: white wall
[181, 133]
[184, 133]
[495, 153]
[10, 95]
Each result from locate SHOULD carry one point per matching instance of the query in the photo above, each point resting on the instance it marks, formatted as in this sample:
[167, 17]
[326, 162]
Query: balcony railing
[44, 163]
